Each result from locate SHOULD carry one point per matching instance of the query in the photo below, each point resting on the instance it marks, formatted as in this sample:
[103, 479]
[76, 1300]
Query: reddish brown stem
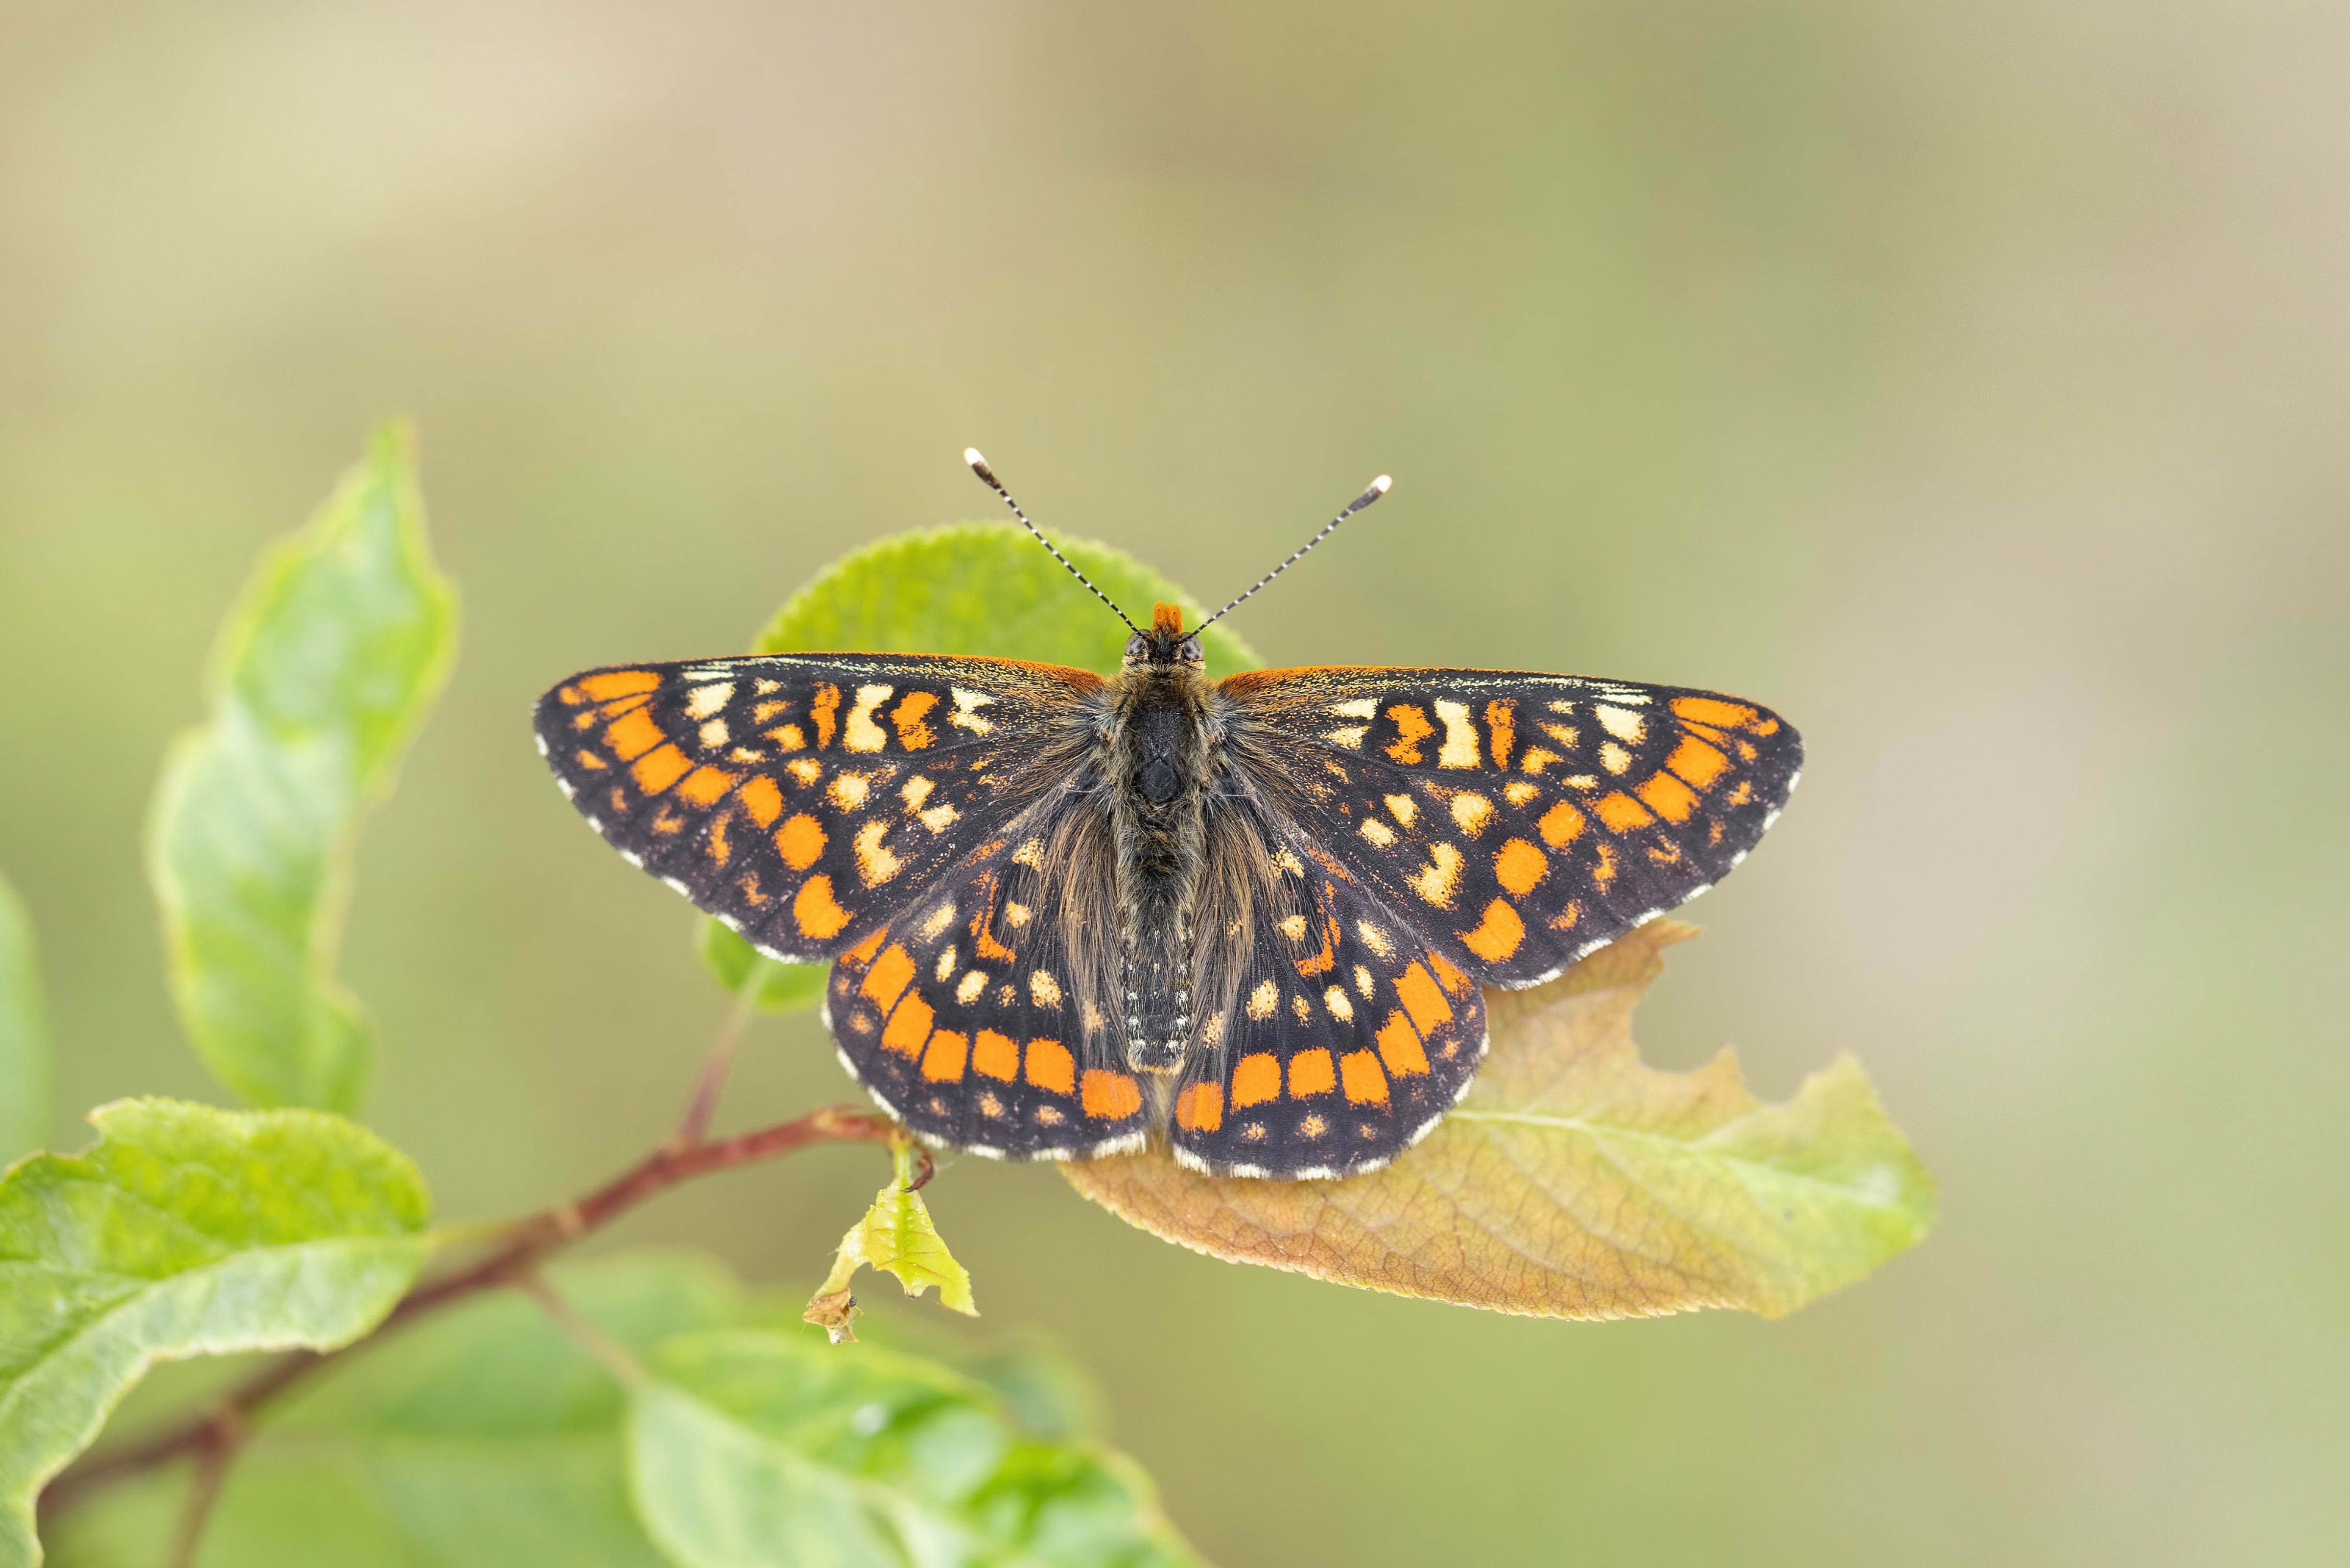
[524, 1244]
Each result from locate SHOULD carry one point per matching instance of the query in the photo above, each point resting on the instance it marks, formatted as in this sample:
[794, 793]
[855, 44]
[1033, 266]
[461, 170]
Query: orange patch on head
[1399, 1047]
[1200, 1107]
[820, 914]
[1499, 936]
[1519, 866]
[762, 799]
[1109, 1096]
[942, 1062]
[617, 684]
[1502, 724]
[1713, 710]
[1669, 797]
[1365, 1085]
[1696, 761]
[704, 785]
[800, 841]
[997, 1056]
[661, 767]
[1050, 1066]
[1559, 825]
[633, 735]
[888, 977]
[1412, 728]
[913, 732]
[1422, 1000]
[1166, 619]
[1621, 813]
[908, 1027]
[1310, 1073]
[1255, 1079]
[824, 708]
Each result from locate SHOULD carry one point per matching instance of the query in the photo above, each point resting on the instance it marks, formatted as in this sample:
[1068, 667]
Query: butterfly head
[1166, 643]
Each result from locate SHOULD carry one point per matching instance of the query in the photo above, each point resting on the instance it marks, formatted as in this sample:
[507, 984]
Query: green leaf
[752, 1447]
[980, 589]
[24, 1064]
[734, 964]
[185, 1231]
[896, 1235]
[322, 676]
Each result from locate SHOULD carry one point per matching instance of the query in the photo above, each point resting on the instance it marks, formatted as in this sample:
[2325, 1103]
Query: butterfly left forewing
[1518, 821]
[803, 798]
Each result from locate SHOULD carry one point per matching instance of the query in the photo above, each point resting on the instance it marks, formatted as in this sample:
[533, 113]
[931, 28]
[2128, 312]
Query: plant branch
[219, 1429]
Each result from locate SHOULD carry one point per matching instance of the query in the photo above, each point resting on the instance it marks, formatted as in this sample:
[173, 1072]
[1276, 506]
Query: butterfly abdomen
[1159, 745]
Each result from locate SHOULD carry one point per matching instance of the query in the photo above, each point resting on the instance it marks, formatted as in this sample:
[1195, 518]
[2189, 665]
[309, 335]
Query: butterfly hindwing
[967, 1015]
[1518, 821]
[805, 798]
[1345, 1038]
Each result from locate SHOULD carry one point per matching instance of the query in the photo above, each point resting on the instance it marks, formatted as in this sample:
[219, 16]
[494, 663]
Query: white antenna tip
[1381, 483]
[971, 455]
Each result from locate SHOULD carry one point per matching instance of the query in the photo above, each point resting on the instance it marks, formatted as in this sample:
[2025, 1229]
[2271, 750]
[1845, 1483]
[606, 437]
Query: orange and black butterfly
[1068, 916]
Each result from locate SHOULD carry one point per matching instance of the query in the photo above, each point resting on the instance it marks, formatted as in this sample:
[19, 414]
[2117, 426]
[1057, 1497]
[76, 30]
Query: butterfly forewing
[975, 1015]
[1516, 820]
[804, 798]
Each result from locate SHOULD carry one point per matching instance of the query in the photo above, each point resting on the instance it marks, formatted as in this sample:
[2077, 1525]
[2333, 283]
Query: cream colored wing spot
[1403, 808]
[876, 864]
[807, 770]
[1436, 880]
[1262, 1001]
[848, 789]
[1375, 939]
[937, 818]
[1350, 737]
[861, 733]
[1044, 990]
[1303, 1009]
[916, 790]
[1030, 854]
[704, 701]
[1460, 749]
[967, 705]
[1565, 735]
[1471, 813]
[714, 735]
[1294, 927]
[1378, 832]
[1621, 723]
[1288, 861]
[763, 687]
[1364, 982]
[967, 991]
[944, 970]
[1341, 1007]
[935, 923]
[1517, 792]
[1016, 914]
[1360, 708]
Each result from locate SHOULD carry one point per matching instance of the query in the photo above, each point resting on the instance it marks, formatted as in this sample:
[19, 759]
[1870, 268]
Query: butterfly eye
[1189, 652]
[1137, 647]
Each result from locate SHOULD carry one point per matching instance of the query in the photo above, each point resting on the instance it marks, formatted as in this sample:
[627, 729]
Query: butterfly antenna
[1378, 487]
[979, 466]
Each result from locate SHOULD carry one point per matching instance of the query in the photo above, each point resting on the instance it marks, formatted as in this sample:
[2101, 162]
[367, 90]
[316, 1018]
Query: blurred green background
[1967, 382]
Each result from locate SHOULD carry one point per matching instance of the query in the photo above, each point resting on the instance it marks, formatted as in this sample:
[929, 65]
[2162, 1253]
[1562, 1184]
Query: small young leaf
[895, 1235]
[185, 1231]
[757, 1447]
[734, 963]
[1576, 1182]
[25, 1066]
[322, 676]
[979, 589]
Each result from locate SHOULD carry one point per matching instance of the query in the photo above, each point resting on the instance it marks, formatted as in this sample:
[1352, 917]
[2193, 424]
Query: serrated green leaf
[24, 1064]
[322, 676]
[735, 964]
[897, 1236]
[752, 1448]
[185, 1231]
[980, 589]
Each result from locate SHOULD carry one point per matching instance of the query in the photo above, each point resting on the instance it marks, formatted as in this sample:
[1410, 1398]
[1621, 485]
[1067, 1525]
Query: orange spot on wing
[633, 735]
[1499, 936]
[1669, 797]
[1412, 728]
[913, 732]
[617, 684]
[1519, 866]
[1422, 1000]
[715, 845]
[590, 761]
[982, 942]
[762, 799]
[942, 1062]
[908, 1027]
[1621, 813]
[800, 841]
[863, 952]
[1310, 1073]
[1328, 957]
[1502, 722]
[997, 1056]
[824, 710]
[1713, 710]
[1109, 1096]
[1200, 1107]
[1365, 1085]
[1697, 763]
[888, 977]
[820, 914]
[1451, 978]
[1256, 1079]
[704, 785]
[1050, 1066]
[661, 767]
[1399, 1047]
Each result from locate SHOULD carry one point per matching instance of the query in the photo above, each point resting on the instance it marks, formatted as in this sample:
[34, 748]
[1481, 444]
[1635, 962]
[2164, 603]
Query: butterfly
[1248, 917]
